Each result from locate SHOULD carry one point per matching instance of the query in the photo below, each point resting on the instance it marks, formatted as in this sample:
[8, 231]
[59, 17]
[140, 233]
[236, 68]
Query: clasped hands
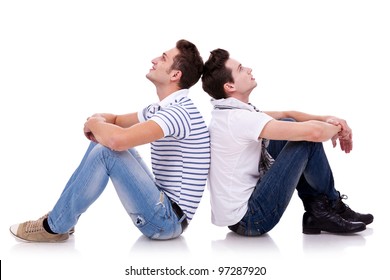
[344, 135]
[87, 131]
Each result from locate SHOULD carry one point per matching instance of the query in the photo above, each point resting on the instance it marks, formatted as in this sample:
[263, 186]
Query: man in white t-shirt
[162, 204]
[252, 179]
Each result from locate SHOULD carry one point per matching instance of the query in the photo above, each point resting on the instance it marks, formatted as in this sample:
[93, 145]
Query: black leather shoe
[348, 214]
[332, 223]
[320, 216]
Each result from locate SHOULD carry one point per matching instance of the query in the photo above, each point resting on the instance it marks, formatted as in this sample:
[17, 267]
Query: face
[161, 69]
[244, 82]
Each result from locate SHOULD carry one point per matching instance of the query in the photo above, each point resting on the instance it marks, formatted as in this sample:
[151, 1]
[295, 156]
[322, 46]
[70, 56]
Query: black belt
[180, 215]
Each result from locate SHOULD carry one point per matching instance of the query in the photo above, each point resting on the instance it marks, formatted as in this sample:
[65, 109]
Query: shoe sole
[319, 230]
[30, 241]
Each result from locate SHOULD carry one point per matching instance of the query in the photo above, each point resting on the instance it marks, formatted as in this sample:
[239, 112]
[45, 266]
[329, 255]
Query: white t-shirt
[235, 154]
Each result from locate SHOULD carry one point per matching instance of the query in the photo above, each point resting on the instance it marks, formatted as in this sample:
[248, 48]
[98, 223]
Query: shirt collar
[231, 103]
[173, 97]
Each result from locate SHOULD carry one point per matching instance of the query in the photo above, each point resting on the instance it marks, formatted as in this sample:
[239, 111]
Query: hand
[344, 136]
[87, 131]
[346, 144]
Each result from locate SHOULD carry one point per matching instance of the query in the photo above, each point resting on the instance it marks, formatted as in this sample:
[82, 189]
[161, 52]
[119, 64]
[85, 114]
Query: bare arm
[125, 120]
[344, 136]
[298, 116]
[314, 131]
[120, 138]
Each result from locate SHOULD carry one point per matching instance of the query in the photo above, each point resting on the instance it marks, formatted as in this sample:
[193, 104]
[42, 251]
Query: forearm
[108, 117]
[313, 130]
[102, 130]
[125, 120]
[296, 115]
[322, 131]
[118, 138]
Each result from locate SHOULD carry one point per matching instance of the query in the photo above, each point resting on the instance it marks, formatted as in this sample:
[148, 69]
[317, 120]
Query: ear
[229, 88]
[176, 75]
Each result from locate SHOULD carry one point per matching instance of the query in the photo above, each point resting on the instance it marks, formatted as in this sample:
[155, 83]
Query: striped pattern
[181, 159]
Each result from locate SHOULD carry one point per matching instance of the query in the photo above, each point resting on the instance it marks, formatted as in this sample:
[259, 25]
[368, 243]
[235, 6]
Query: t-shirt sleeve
[175, 121]
[247, 126]
[148, 112]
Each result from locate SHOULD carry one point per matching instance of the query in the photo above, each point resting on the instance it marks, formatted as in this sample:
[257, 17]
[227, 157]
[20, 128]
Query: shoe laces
[35, 226]
[347, 208]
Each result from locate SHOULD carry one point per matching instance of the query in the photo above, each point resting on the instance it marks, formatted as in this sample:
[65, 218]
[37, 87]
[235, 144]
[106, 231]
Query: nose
[156, 59]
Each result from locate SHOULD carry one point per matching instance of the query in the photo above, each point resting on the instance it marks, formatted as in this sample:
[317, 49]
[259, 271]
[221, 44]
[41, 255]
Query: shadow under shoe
[348, 214]
[319, 216]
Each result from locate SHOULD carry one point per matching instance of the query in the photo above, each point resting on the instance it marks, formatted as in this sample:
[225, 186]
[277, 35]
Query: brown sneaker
[33, 231]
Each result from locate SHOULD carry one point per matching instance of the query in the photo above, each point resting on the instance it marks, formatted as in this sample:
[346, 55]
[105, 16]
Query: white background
[61, 61]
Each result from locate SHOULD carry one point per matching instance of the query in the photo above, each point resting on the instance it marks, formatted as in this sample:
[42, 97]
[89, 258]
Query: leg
[39, 230]
[274, 191]
[149, 208]
[81, 165]
[76, 173]
[317, 177]
[321, 173]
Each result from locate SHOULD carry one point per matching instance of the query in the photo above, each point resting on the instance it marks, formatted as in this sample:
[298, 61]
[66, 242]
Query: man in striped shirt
[162, 203]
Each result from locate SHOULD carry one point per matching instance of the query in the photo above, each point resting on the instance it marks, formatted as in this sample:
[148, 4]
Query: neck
[163, 92]
[242, 97]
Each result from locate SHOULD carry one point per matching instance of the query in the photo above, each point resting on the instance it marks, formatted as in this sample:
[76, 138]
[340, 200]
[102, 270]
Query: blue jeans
[149, 208]
[298, 165]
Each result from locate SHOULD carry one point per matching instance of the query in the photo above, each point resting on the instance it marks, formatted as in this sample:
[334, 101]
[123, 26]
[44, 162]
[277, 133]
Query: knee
[101, 148]
[288, 120]
[102, 151]
[305, 144]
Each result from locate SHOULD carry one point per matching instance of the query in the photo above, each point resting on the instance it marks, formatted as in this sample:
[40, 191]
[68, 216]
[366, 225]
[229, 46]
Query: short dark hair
[216, 74]
[189, 62]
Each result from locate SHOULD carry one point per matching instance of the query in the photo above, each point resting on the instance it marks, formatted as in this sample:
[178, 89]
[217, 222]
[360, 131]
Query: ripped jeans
[149, 208]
